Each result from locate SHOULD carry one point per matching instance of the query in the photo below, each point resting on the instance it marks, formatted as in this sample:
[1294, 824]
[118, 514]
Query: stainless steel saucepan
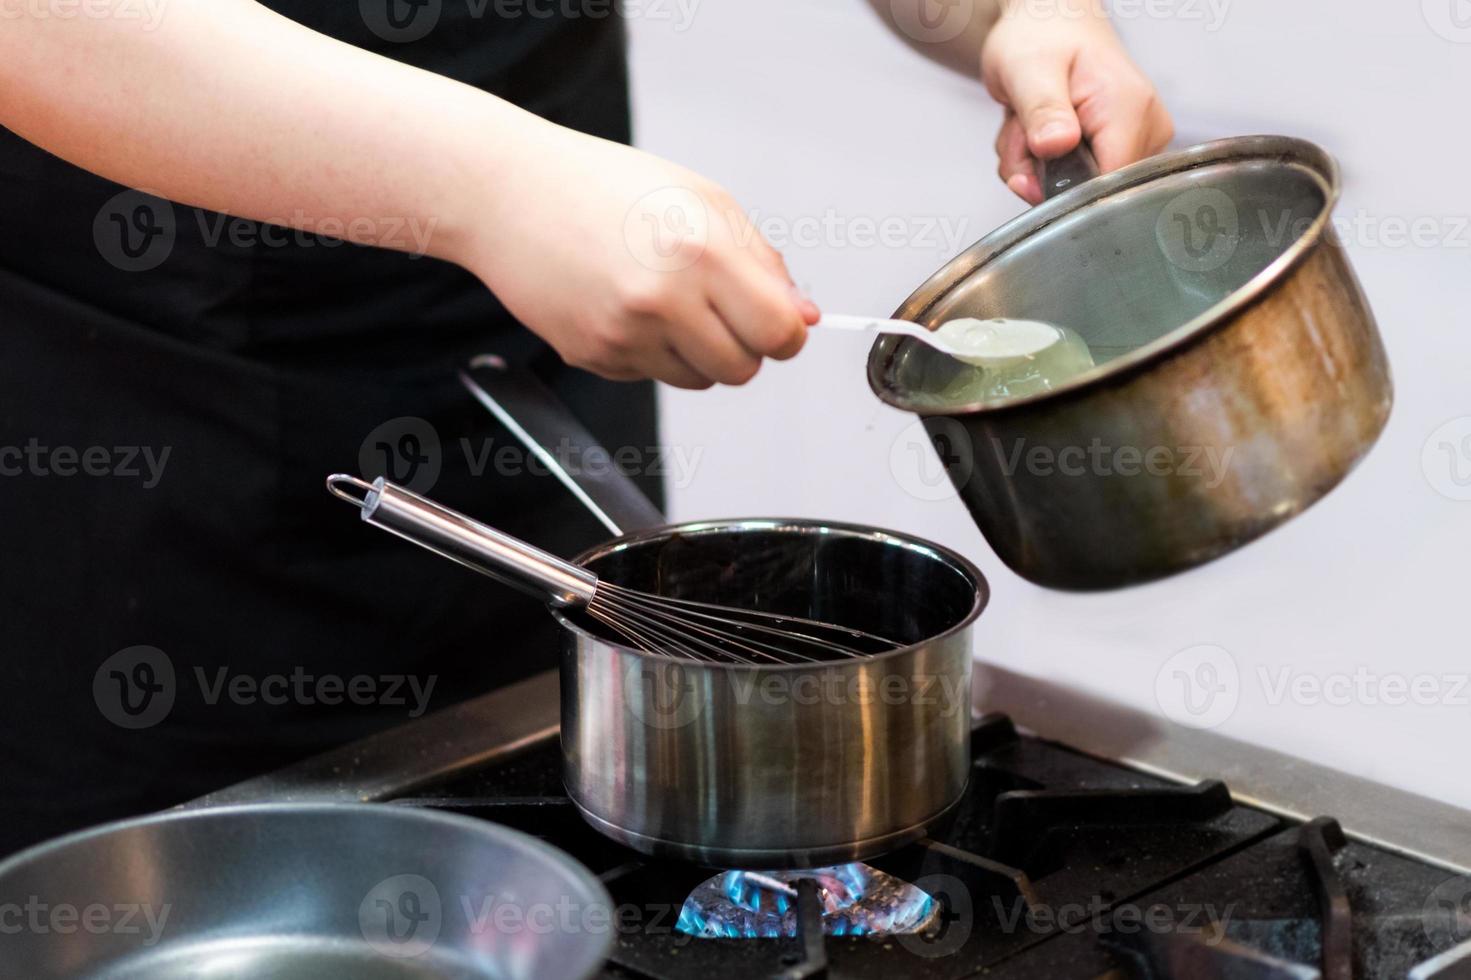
[743, 765]
[776, 766]
[1239, 377]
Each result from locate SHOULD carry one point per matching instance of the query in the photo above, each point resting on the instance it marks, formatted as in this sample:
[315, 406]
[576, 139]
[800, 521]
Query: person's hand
[633, 267]
[1062, 75]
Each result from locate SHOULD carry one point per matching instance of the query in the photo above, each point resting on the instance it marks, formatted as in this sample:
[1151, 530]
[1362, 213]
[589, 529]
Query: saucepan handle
[462, 539]
[538, 418]
[1067, 171]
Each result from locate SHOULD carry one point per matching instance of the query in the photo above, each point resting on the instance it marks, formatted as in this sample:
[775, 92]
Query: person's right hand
[632, 267]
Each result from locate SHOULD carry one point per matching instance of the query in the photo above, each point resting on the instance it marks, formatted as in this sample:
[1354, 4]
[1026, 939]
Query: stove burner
[857, 900]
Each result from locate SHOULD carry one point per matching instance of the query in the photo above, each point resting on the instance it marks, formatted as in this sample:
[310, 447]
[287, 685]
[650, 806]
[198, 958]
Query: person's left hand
[1061, 77]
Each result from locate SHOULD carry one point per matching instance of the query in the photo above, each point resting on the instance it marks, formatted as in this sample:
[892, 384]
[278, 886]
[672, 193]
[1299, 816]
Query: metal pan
[750, 765]
[301, 892]
[1241, 375]
[776, 766]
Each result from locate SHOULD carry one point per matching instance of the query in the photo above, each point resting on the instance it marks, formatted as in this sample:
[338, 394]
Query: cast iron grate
[1042, 872]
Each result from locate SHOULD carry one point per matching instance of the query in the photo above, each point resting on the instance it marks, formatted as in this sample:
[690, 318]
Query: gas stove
[1058, 864]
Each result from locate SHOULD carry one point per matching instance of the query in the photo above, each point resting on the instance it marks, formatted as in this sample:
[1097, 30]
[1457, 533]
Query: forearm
[627, 265]
[950, 33]
[228, 106]
[954, 32]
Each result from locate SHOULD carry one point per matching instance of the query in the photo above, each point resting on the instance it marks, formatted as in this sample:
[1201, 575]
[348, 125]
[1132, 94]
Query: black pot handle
[537, 417]
[1068, 171]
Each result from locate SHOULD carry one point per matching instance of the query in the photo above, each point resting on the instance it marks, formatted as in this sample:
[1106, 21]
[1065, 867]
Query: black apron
[185, 606]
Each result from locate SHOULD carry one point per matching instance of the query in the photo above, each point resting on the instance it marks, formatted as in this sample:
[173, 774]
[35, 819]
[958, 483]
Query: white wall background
[809, 109]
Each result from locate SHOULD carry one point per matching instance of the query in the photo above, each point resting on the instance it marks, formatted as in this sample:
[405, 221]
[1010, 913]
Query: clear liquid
[935, 381]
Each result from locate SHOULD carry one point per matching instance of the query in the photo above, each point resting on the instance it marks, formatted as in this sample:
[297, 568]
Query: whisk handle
[459, 538]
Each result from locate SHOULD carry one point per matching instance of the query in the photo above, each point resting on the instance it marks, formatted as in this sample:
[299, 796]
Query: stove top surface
[1057, 865]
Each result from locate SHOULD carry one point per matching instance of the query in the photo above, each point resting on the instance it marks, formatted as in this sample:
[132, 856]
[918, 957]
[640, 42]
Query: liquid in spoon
[999, 358]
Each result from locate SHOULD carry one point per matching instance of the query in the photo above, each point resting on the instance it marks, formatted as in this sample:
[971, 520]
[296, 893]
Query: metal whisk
[698, 631]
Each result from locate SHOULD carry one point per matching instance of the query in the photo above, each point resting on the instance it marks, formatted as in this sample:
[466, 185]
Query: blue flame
[856, 900]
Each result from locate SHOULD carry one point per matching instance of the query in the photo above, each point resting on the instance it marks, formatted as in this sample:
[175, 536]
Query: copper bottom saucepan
[1239, 372]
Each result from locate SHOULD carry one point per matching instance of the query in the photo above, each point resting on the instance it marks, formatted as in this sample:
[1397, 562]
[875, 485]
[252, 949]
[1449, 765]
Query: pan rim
[1285, 150]
[178, 814]
[488, 831]
[938, 552]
